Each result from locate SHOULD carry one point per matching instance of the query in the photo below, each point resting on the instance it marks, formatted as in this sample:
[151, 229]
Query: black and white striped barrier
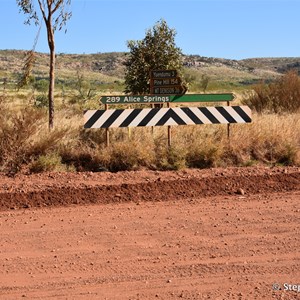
[113, 118]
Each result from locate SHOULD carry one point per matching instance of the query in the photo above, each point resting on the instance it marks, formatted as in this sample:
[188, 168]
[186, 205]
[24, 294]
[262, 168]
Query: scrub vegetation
[27, 145]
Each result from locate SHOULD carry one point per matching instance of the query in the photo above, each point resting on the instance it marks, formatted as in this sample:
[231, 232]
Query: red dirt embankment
[55, 189]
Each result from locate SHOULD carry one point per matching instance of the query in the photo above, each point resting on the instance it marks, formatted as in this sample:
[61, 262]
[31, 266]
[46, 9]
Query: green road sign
[144, 99]
[203, 98]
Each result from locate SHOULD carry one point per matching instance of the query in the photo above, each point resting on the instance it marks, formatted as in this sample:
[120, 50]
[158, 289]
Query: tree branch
[42, 4]
[57, 6]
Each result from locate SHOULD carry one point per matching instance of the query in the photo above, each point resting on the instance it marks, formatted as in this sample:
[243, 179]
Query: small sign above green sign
[166, 81]
[163, 73]
[169, 90]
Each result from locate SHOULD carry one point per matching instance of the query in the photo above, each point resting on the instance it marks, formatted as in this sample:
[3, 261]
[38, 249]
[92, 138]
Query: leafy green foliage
[41, 85]
[41, 101]
[53, 6]
[156, 51]
[84, 88]
[47, 163]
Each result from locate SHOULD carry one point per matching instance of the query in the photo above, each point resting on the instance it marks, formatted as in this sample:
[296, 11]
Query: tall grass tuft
[16, 132]
[24, 137]
[270, 139]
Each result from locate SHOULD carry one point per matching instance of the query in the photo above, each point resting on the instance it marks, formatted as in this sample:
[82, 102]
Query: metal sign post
[169, 132]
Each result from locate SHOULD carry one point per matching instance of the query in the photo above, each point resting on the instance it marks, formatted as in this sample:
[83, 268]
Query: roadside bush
[126, 156]
[270, 139]
[24, 137]
[26, 144]
[41, 101]
[48, 163]
[168, 158]
[274, 151]
[92, 137]
[82, 157]
[203, 156]
[283, 95]
[16, 130]
[44, 141]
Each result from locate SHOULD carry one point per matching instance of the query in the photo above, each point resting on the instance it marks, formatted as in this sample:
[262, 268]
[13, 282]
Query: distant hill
[280, 65]
[108, 67]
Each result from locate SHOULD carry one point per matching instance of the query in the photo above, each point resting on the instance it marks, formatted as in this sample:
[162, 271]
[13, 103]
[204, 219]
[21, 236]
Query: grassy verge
[27, 145]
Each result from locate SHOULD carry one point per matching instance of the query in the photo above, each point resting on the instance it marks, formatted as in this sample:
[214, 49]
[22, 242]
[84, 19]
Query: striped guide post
[116, 118]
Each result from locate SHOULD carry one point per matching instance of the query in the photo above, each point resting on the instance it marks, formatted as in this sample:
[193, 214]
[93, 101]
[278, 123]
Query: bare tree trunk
[51, 73]
[51, 89]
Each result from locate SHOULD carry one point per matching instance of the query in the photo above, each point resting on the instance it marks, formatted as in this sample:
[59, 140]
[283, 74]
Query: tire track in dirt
[229, 247]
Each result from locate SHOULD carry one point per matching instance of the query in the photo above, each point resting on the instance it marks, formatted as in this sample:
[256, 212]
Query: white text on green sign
[134, 99]
[167, 98]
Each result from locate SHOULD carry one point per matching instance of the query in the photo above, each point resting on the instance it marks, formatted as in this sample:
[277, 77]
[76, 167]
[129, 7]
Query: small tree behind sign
[157, 51]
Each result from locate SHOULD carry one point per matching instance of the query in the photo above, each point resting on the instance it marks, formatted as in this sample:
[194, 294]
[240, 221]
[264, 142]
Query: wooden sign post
[166, 82]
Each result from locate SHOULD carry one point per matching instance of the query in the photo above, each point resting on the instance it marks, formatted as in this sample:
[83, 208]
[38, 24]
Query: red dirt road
[194, 234]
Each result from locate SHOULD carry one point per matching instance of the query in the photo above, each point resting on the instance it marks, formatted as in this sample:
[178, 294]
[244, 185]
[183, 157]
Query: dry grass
[25, 141]
[27, 144]
[270, 139]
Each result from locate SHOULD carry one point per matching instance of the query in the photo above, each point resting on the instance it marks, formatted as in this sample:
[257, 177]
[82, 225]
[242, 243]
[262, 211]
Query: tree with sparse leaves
[157, 51]
[55, 15]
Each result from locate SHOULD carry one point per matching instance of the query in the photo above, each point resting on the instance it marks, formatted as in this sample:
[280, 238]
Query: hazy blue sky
[217, 28]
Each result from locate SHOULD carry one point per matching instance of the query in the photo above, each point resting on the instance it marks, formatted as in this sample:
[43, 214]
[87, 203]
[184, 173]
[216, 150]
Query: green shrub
[47, 163]
[277, 151]
[83, 158]
[283, 95]
[206, 156]
[41, 85]
[169, 158]
[41, 101]
[126, 156]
